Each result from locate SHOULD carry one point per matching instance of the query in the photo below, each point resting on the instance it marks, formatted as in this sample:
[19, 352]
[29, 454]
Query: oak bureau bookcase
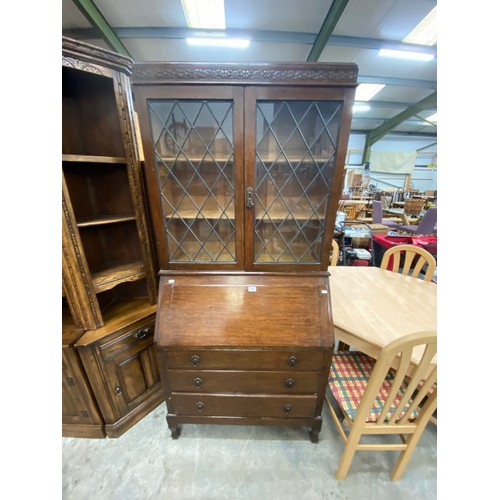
[244, 167]
[110, 372]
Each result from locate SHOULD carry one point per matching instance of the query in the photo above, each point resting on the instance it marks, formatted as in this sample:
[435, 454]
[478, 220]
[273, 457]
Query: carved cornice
[257, 73]
[76, 51]
[81, 65]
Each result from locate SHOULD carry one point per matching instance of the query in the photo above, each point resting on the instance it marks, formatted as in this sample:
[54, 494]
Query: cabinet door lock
[250, 197]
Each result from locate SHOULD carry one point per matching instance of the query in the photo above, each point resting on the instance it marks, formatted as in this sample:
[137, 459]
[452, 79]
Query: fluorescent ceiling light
[360, 108]
[236, 43]
[433, 118]
[406, 54]
[425, 33]
[207, 14]
[366, 91]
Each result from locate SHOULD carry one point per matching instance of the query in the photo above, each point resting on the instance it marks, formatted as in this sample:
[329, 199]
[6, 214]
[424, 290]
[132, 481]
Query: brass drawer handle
[287, 408]
[200, 406]
[292, 361]
[198, 382]
[195, 359]
[290, 383]
[141, 333]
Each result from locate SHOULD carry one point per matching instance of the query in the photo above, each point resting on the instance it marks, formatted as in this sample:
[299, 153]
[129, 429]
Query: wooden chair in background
[333, 262]
[414, 206]
[335, 253]
[351, 212]
[427, 224]
[375, 399]
[411, 267]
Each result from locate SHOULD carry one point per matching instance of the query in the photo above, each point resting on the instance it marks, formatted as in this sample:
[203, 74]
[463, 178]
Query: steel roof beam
[399, 82]
[94, 16]
[376, 134]
[396, 134]
[332, 18]
[257, 35]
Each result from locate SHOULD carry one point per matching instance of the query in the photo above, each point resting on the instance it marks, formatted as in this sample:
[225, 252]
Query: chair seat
[349, 374]
[391, 223]
[415, 229]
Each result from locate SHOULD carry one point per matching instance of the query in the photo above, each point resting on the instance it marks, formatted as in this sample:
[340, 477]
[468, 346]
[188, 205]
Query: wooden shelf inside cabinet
[112, 276]
[280, 215]
[93, 159]
[205, 214]
[120, 315]
[105, 219]
[207, 160]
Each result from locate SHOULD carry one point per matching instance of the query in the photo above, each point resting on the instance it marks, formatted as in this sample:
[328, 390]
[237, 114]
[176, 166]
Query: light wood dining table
[373, 306]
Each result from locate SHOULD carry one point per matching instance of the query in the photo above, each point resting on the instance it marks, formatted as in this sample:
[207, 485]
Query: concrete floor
[210, 462]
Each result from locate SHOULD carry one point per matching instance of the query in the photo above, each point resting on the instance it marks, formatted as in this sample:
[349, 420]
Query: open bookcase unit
[106, 238]
[109, 272]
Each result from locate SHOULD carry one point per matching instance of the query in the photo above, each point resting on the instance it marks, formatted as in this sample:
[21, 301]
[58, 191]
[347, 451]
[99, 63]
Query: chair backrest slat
[409, 381]
[416, 377]
[335, 253]
[404, 363]
[423, 392]
[410, 252]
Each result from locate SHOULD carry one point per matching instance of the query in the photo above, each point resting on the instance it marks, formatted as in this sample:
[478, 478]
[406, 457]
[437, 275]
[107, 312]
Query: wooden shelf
[113, 276]
[209, 159]
[93, 159]
[120, 314]
[105, 219]
[214, 214]
[207, 214]
[196, 159]
[280, 215]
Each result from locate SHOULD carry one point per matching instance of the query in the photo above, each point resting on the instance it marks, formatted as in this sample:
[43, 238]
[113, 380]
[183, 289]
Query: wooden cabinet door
[295, 144]
[133, 376]
[80, 415]
[193, 145]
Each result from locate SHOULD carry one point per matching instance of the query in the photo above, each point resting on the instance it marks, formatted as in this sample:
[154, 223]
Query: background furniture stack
[110, 376]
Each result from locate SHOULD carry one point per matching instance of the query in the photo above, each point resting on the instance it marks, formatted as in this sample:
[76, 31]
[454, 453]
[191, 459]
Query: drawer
[272, 382]
[132, 341]
[242, 406]
[244, 359]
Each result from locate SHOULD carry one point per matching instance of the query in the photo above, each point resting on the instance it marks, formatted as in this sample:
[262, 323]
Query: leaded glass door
[293, 149]
[198, 156]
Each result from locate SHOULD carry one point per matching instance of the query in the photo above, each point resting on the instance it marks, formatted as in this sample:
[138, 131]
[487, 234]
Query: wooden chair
[427, 224]
[351, 212]
[335, 253]
[392, 257]
[375, 399]
[414, 206]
